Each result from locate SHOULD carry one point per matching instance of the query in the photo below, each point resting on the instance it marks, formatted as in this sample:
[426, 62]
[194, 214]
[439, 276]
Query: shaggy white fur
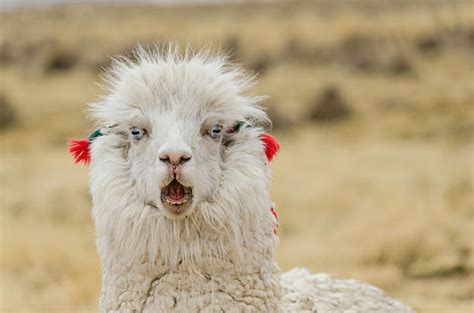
[213, 251]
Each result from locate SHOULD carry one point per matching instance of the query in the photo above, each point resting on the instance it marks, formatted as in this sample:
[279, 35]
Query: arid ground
[373, 102]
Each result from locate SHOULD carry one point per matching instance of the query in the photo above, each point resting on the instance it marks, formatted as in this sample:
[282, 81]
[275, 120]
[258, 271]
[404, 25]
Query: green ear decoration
[96, 133]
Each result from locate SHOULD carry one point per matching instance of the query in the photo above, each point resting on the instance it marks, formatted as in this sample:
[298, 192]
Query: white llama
[180, 187]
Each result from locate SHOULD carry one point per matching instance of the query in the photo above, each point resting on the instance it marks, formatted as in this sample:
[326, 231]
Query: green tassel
[96, 133]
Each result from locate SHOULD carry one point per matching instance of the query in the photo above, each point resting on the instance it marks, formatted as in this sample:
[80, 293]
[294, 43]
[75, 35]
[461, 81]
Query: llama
[180, 183]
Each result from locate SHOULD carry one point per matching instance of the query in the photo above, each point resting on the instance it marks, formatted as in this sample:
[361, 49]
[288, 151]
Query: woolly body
[218, 254]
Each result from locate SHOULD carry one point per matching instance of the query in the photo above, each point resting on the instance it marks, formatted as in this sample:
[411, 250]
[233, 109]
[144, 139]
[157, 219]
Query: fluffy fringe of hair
[172, 53]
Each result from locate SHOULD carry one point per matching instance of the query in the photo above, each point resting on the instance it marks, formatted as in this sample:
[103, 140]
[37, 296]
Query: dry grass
[382, 193]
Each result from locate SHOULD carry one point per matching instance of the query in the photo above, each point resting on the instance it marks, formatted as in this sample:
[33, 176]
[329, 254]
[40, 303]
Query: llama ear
[80, 149]
[270, 143]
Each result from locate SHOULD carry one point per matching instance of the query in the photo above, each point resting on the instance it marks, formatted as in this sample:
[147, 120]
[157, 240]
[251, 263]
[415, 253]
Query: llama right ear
[271, 146]
[271, 143]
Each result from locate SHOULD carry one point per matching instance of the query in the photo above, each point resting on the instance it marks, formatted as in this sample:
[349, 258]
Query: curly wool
[306, 292]
[220, 256]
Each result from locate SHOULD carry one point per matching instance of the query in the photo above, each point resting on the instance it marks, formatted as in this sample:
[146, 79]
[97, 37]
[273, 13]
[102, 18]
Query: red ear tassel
[80, 150]
[271, 146]
[275, 228]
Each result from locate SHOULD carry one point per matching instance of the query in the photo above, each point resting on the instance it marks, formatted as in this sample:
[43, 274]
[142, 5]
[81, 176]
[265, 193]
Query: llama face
[177, 162]
[173, 121]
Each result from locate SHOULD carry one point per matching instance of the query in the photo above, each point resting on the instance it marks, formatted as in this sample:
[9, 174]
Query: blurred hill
[27, 4]
[373, 102]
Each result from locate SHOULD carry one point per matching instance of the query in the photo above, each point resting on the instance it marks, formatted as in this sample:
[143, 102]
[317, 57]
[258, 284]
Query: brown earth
[372, 102]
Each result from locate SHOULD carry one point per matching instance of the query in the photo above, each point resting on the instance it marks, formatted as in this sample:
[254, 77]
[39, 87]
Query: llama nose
[175, 157]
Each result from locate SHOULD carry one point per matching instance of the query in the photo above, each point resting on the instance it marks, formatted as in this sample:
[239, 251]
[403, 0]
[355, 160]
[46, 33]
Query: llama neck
[193, 264]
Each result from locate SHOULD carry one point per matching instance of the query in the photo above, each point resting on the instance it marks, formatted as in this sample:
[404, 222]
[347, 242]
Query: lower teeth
[176, 203]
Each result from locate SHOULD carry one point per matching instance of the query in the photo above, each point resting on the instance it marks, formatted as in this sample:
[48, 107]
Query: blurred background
[373, 102]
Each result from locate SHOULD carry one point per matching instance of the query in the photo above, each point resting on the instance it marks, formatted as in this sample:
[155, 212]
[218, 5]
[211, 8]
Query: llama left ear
[80, 149]
[271, 146]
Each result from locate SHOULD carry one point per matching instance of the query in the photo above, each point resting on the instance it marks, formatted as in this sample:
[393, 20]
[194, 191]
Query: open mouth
[175, 194]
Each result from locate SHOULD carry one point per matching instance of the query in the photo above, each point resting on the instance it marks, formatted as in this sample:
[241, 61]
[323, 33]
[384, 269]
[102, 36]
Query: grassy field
[373, 102]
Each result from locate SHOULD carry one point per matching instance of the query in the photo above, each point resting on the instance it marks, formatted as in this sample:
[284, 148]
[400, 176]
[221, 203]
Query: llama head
[181, 148]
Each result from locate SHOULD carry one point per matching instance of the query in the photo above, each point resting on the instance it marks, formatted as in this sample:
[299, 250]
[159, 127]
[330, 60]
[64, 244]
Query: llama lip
[176, 194]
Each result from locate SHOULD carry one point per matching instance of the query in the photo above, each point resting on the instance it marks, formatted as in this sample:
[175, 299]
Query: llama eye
[137, 133]
[215, 132]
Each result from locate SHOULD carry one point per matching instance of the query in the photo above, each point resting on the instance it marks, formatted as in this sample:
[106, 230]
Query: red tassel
[275, 228]
[271, 146]
[80, 151]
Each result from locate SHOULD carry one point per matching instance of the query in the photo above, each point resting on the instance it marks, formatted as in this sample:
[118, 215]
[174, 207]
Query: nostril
[185, 158]
[164, 159]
